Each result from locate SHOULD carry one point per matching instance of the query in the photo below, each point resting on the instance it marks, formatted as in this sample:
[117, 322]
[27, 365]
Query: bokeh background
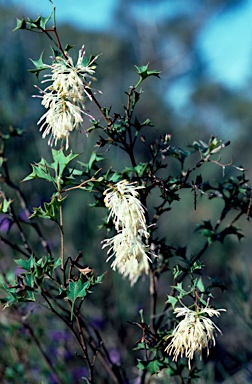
[204, 51]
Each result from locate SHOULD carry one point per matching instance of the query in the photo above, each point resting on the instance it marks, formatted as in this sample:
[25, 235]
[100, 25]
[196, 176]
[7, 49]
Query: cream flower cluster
[127, 213]
[193, 333]
[65, 97]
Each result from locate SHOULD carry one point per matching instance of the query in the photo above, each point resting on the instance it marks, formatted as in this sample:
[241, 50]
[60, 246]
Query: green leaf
[207, 230]
[4, 206]
[50, 211]
[196, 265]
[199, 284]
[144, 73]
[180, 289]
[172, 300]
[40, 66]
[21, 24]
[41, 170]
[147, 123]
[153, 366]
[139, 169]
[61, 161]
[26, 264]
[177, 270]
[91, 165]
[42, 21]
[77, 289]
[39, 23]
[68, 47]
[98, 279]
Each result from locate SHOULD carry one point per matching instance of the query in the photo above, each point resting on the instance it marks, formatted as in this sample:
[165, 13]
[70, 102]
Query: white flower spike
[65, 97]
[127, 246]
[193, 333]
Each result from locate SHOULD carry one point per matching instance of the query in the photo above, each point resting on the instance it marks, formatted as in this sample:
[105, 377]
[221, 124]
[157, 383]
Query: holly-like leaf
[77, 289]
[61, 161]
[140, 169]
[153, 366]
[196, 265]
[172, 300]
[50, 210]
[68, 47]
[207, 230]
[42, 21]
[26, 264]
[21, 24]
[41, 170]
[199, 284]
[40, 66]
[4, 206]
[91, 165]
[180, 289]
[144, 73]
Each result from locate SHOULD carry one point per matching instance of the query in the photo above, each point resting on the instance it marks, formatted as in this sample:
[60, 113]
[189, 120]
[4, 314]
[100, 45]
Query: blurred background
[204, 51]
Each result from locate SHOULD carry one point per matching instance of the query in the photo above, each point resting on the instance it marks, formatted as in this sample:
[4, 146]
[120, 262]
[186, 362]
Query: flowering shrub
[61, 283]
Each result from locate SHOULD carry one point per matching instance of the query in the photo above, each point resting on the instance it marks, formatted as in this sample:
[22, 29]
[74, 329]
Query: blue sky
[227, 45]
[93, 14]
[226, 41]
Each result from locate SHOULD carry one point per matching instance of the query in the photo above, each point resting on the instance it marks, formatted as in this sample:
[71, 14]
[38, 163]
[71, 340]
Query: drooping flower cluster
[65, 97]
[193, 333]
[127, 213]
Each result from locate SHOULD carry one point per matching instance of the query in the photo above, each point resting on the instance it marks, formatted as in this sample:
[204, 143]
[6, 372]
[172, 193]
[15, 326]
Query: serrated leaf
[26, 264]
[177, 270]
[4, 206]
[61, 161]
[42, 21]
[180, 289]
[50, 210]
[196, 265]
[39, 65]
[147, 123]
[199, 284]
[144, 73]
[98, 279]
[68, 47]
[172, 300]
[40, 170]
[139, 169]
[91, 165]
[77, 289]
[21, 24]
[153, 366]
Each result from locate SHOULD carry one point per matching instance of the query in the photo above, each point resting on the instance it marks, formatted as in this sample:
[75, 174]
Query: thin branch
[85, 351]
[45, 357]
[62, 244]
[14, 246]
[153, 299]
